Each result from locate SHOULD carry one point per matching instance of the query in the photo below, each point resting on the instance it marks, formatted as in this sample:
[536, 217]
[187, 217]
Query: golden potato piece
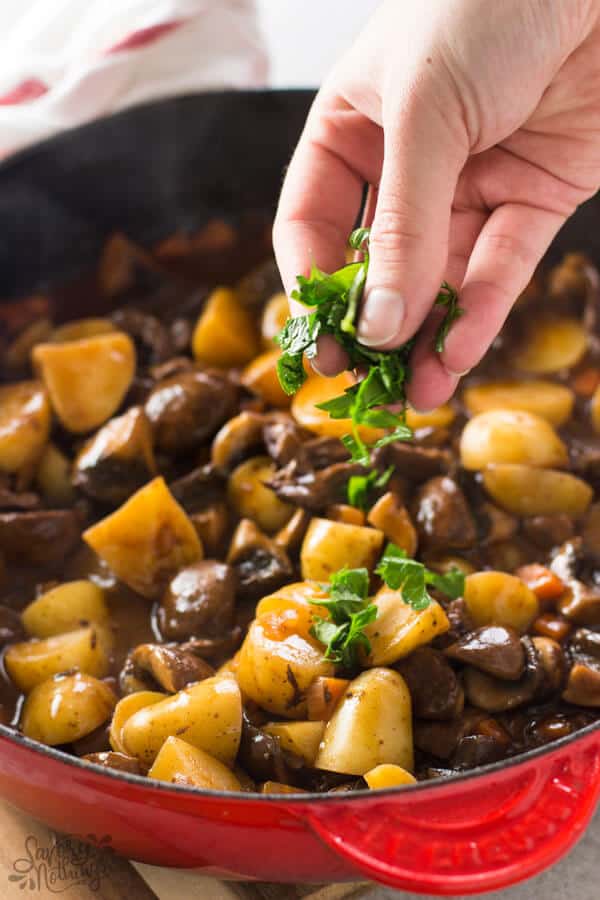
[391, 517]
[225, 334]
[595, 409]
[252, 499]
[372, 725]
[399, 629]
[329, 546]
[388, 776]
[124, 709]
[510, 436]
[65, 608]
[53, 477]
[66, 708]
[180, 763]
[31, 662]
[81, 329]
[435, 418]
[274, 317]
[527, 491]
[278, 662]
[553, 402]
[552, 344]
[25, 418]
[87, 379]
[318, 389]
[260, 377]
[207, 715]
[496, 598]
[300, 738]
[147, 540]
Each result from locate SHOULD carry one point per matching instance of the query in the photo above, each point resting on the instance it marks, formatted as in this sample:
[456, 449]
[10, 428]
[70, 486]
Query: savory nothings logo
[61, 863]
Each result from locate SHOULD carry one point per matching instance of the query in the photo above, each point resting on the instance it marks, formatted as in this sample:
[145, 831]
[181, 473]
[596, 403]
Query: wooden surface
[37, 863]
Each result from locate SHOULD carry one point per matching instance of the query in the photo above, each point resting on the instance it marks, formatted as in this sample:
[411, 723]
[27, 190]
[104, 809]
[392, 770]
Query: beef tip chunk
[322, 452]
[435, 690]
[548, 532]
[157, 666]
[199, 602]
[477, 750]
[45, 537]
[442, 516]
[11, 499]
[110, 760]
[493, 649]
[585, 642]
[187, 409]
[11, 628]
[314, 490]
[152, 339]
[238, 439]
[413, 462]
[260, 565]
[583, 682]
[199, 489]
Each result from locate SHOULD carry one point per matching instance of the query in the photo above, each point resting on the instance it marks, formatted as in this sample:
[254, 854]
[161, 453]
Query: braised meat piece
[199, 602]
[442, 515]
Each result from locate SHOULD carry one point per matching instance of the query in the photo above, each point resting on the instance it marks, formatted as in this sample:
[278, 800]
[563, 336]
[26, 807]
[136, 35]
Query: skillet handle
[478, 834]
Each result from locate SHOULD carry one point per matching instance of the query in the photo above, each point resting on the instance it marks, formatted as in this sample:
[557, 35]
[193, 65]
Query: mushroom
[313, 490]
[494, 649]
[442, 515]
[283, 439]
[42, 537]
[171, 668]
[585, 642]
[434, 688]
[187, 409]
[548, 532]
[151, 338]
[262, 756]
[199, 602]
[199, 489]
[237, 440]
[477, 750]
[583, 683]
[260, 564]
[414, 462]
[118, 460]
[494, 695]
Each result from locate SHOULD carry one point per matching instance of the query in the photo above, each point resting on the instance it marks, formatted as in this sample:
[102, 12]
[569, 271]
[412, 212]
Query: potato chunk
[53, 477]
[300, 738]
[552, 344]
[388, 776]
[372, 725]
[510, 436]
[31, 662]
[329, 546]
[81, 329]
[124, 710]
[528, 491]
[252, 499]
[278, 662]
[553, 402]
[24, 424]
[65, 608]
[86, 379]
[147, 540]
[260, 377]
[399, 629]
[207, 715]
[180, 763]
[226, 333]
[495, 598]
[392, 517]
[66, 708]
[318, 389]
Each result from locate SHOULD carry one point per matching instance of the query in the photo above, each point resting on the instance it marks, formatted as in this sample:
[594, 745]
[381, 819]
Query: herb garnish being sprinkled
[350, 609]
[336, 299]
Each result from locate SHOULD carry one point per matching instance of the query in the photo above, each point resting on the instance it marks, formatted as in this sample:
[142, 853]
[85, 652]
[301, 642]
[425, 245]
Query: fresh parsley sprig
[413, 578]
[360, 487]
[335, 301]
[349, 612]
[350, 609]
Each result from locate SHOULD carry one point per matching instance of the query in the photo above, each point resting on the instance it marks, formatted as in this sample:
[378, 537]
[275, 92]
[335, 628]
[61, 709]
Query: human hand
[479, 125]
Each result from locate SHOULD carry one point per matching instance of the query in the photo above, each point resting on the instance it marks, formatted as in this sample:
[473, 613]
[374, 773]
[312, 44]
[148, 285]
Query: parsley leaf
[413, 578]
[361, 486]
[335, 299]
[349, 613]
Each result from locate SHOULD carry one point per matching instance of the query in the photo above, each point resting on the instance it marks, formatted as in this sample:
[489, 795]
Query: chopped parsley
[350, 609]
[360, 487]
[335, 300]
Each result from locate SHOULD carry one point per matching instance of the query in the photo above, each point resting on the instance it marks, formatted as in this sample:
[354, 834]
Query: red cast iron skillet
[148, 172]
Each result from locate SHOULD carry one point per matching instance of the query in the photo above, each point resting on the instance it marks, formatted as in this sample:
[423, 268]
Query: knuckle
[394, 234]
[508, 249]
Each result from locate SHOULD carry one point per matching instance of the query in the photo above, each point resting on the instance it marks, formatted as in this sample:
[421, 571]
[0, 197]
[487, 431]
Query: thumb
[423, 157]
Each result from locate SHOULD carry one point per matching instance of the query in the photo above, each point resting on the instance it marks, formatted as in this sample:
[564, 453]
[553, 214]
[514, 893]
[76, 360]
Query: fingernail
[382, 317]
[457, 374]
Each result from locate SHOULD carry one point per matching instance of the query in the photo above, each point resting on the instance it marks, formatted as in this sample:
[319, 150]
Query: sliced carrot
[542, 581]
[323, 696]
